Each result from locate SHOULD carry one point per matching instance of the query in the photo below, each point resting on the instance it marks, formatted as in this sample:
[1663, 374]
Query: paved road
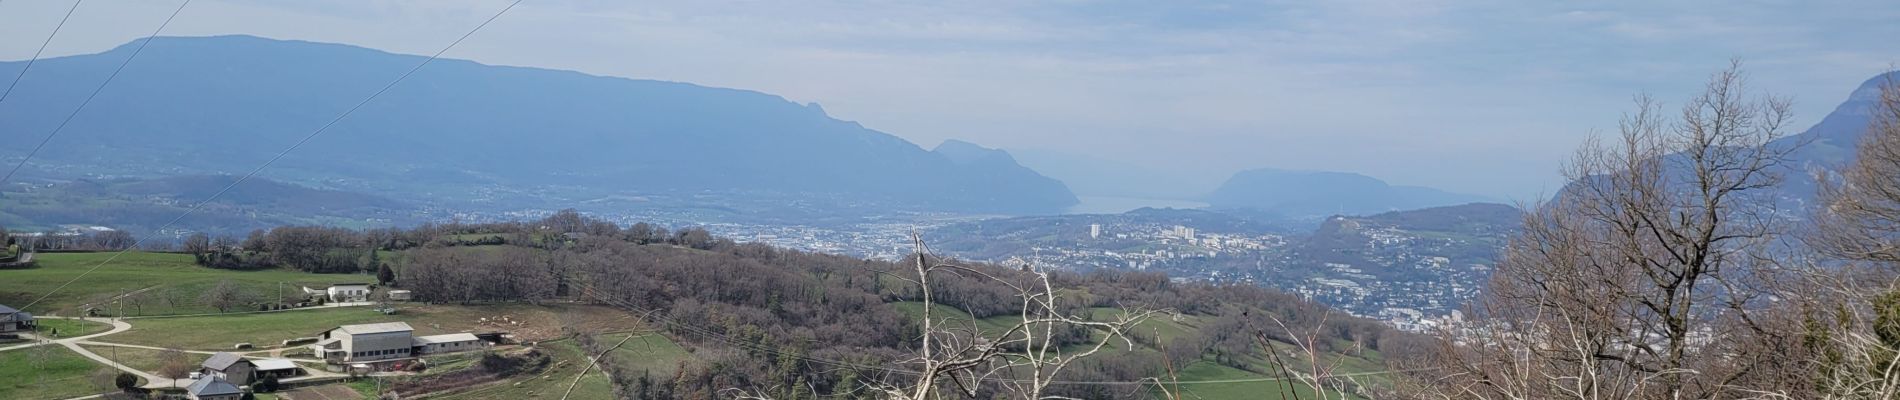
[117, 326]
[152, 381]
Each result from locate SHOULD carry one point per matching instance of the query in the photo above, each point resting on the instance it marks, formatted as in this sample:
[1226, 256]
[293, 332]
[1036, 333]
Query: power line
[36, 54]
[95, 91]
[280, 155]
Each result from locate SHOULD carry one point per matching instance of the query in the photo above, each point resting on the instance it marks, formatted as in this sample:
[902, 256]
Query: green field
[955, 318]
[70, 327]
[164, 283]
[141, 359]
[647, 352]
[268, 330]
[1164, 328]
[46, 372]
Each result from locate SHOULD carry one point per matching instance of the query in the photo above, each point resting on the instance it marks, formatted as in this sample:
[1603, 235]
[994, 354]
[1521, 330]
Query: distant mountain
[1309, 193]
[1830, 144]
[1826, 146]
[999, 174]
[1096, 176]
[459, 129]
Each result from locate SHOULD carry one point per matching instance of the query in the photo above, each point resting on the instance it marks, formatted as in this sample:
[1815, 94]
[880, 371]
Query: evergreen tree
[384, 274]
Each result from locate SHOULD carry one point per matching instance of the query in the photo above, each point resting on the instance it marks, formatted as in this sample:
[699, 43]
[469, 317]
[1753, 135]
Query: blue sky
[1476, 96]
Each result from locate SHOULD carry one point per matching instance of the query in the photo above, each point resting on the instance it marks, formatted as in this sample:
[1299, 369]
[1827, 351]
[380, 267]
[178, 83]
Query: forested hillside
[762, 319]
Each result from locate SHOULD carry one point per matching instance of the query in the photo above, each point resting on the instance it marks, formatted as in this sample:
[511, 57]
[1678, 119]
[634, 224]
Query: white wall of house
[377, 346]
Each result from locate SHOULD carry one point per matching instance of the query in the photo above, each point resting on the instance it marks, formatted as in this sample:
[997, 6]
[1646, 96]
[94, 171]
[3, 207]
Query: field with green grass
[70, 327]
[270, 329]
[646, 352]
[46, 372]
[159, 283]
[147, 360]
[1165, 328]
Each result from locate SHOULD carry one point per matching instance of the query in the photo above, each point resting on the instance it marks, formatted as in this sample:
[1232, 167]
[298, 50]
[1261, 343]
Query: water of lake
[1118, 205]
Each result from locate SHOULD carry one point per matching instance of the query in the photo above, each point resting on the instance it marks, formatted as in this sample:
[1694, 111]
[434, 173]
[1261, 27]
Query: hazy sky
[1476, 96]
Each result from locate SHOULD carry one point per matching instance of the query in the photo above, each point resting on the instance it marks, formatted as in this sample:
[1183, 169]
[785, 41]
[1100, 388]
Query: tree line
[758, 314]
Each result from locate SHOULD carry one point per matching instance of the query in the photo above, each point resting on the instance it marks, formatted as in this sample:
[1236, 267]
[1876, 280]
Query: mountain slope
[1830, 144]
[224, 104]
[1308, 193]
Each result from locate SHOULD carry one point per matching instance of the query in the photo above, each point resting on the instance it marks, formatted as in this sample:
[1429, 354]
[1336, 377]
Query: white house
[367, 342]
[341, 292]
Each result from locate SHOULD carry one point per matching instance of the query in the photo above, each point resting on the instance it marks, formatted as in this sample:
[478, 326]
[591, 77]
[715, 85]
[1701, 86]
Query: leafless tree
[1319, 372]
[175, 365]
[224, 296]
[1852, 303]
[104, 379]
[114, 240]
[198, 243]
[1638, 280]
[1861, 215]
[1022, 359]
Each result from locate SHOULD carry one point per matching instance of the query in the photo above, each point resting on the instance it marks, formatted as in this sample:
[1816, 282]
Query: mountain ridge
[1315, 193]
[230, 101]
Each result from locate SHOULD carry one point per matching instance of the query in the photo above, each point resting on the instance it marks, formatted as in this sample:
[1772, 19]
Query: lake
[1118, 205]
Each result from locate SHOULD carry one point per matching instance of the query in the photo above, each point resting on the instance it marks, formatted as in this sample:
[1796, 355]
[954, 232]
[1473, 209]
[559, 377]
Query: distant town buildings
[1183, 232]
[1095, 231]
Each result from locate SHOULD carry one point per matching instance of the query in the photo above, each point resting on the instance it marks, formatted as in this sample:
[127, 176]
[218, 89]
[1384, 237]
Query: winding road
[77, 345]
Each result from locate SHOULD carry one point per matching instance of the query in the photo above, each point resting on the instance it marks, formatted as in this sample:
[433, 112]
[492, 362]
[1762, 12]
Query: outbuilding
[366, 342]
[228, 366]
[449, 343]
[12, 320]
[276, 367]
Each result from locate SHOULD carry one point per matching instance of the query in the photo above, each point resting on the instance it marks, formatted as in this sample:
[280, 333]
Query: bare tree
[224, 296]
[1852, 319]
[1022, 359]
[198, 243]
[114, 240]
[173, 364]
[1861, 215]
[1637, 281]
[1319, 372]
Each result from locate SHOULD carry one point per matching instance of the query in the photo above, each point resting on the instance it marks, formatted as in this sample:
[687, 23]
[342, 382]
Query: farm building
[367, 342]
[229, 367]
[213, 388]
[386, 341]
[400, 295]
[447, 343]
[277, 367]
[12, 320]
